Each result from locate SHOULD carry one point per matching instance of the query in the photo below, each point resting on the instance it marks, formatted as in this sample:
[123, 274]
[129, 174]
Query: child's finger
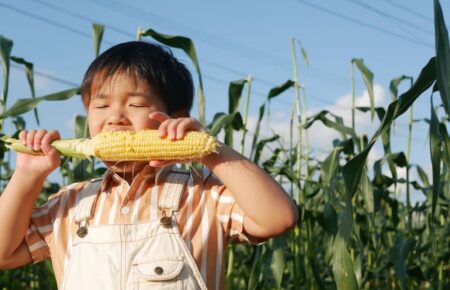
[23, 136]
[38, 139]
[172, 128]
[160, 163]
[46, 147]
[159, 116]
[188, 124]
[162, 129]
[30, 139]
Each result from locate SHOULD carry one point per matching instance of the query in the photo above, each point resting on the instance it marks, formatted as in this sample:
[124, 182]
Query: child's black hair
[148, 62]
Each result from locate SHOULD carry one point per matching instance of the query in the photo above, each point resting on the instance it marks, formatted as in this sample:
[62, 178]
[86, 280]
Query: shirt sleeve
[229, 213]
[41, 228]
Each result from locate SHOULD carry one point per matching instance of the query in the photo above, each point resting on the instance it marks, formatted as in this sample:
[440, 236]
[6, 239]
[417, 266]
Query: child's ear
[183, 113]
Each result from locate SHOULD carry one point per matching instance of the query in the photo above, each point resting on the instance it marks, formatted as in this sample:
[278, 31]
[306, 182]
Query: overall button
[125, 210]
[159, 270]
[166, 222]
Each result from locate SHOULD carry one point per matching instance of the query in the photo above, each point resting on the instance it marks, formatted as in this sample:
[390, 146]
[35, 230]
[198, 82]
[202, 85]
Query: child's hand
[38, 140]
[174, 129]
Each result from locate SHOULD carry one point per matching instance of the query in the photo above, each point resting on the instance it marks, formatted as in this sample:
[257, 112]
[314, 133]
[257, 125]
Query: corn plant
[354, 232]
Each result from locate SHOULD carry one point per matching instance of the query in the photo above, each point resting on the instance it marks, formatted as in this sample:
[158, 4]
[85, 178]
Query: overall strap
[84, 210]
[172, 191]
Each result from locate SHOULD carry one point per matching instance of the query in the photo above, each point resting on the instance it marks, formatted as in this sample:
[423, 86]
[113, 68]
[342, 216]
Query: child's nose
[117, 116]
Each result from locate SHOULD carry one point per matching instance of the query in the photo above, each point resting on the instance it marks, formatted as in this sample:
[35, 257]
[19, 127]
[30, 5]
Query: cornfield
[354, 231]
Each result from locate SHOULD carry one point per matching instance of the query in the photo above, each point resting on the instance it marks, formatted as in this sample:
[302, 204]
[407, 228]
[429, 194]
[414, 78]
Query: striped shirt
[208, 218]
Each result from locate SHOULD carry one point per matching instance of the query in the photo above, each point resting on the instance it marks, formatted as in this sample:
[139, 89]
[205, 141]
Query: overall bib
[142, 256]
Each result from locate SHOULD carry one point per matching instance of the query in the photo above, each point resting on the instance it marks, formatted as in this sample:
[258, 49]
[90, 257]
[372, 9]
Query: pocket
[158, 274]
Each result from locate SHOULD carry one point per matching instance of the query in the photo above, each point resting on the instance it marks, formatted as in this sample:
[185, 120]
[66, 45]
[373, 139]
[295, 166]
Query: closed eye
[101, 107]
[138, 106]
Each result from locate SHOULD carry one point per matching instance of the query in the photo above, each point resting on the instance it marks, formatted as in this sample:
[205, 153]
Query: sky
[234, 39]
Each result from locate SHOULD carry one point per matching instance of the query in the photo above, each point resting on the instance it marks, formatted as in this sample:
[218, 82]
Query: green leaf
[445, 140]
[254, 279]
[30, 77]
[304, 55]
[258, 128]
[276, 91]
[261, 145]
[367, 191]
[187, 45]
[330, 166]
[423, 176]
[234, 94]
[435, 152]
[328, 219]
[395, 83]
[344, 274]
[368, 80]
[24, 105]
[5, 52]
[222, 120]
[97, 36]
[278, 262]
[337, 124]
[399, 254]
[345, 225]
[352, 170]
[81, 127]
[442, 56]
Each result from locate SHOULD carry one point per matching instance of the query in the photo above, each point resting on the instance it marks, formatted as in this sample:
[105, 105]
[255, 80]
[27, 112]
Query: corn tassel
[129, 146]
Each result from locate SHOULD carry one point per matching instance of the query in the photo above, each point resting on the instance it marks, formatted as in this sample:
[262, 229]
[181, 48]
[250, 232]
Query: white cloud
[320, 137]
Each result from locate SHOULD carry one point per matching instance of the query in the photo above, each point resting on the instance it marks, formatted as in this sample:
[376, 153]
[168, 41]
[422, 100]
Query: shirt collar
[158, 174]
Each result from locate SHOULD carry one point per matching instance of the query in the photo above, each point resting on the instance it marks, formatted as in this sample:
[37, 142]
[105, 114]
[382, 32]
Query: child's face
[122, 103]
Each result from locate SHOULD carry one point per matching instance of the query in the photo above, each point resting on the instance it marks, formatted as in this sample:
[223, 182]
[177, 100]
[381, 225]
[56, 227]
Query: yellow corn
[128, 146]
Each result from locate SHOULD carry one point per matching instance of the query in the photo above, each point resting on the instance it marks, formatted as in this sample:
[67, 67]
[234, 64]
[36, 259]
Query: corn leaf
[24, 105]
[442, 56]
[367, 76]
[423, 176]
[328, 219]
[30, 78]
[234, 98]
[352, 170]
[97, 36]
[5, 53]
[343, 271]
[435, 152]
[330, 166]
[276, 91]
[399, 255]
[395, 83]
[304, 55]
[222, 120]
[446, 141]
[367, 191]
[187, 45]
[258, 128]
[261, 145]
[337, 124]
[254, 281]
[278, 261]
[80, 127]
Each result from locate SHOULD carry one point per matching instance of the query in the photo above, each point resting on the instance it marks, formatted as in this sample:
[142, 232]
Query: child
[144, 225]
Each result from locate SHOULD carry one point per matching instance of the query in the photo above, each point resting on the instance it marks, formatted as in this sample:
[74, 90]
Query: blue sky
[233, 39]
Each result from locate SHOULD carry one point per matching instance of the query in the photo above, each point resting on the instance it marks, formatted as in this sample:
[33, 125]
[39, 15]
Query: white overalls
[149, 255]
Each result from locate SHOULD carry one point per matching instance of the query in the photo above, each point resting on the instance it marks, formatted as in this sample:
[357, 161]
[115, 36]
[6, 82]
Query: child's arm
[19, 196]
[269, 210]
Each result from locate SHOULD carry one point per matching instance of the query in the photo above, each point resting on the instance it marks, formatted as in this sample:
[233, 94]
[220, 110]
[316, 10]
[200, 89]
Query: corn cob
[129, 146]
